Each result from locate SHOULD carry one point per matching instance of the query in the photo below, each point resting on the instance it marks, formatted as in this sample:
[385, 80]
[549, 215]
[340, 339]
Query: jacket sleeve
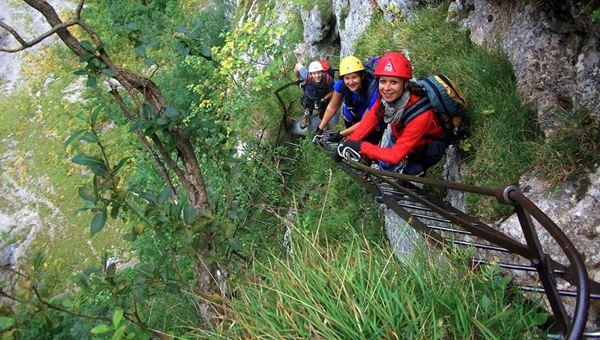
[368, 122]
[409, 137]
[303, 73]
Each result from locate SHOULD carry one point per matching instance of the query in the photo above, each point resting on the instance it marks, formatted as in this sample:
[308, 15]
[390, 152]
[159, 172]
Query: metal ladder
[443, 225]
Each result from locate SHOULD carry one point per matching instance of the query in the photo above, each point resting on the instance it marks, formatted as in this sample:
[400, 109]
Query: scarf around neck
[393, 111]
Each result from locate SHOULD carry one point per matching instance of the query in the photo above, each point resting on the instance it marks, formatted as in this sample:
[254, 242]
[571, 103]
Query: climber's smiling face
[316, 76]
[353, 81]
[391, 88]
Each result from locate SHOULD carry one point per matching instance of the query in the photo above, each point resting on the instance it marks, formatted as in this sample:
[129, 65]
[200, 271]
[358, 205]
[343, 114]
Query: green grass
[358, 290]
[330, 202]
[572, 149]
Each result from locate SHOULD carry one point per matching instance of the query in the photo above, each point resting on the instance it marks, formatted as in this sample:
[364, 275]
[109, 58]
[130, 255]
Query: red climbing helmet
[393, 64]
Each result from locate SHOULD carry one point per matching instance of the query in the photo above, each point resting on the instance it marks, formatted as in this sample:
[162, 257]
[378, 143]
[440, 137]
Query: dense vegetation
[335, 283]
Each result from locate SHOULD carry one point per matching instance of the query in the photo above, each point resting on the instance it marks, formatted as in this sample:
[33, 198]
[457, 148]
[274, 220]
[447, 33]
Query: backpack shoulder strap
[373, 86]
[414, 110]
[327, 79]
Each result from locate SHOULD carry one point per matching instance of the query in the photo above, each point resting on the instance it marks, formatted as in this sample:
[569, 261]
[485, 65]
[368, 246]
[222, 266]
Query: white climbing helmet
[315, 66]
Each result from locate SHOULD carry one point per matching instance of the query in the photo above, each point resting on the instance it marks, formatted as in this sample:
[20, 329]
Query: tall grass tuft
[359, 290]
[572, 149]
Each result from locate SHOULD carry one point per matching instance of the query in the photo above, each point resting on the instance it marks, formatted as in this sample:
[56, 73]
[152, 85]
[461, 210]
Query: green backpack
[446, 100]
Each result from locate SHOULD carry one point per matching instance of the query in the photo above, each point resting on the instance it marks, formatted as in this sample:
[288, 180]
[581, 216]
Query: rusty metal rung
[592, 334]
[563, 292]
[416, 207]
[286, 158]
[395, 194]
[511, 266]
[450, 230]
[479, 245]
[432, 218]
[290, 143]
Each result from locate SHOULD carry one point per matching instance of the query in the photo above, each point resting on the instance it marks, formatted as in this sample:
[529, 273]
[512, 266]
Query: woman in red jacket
[416, 144]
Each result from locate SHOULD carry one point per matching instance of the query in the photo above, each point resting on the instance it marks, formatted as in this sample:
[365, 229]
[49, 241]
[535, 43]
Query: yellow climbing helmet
[350, 64]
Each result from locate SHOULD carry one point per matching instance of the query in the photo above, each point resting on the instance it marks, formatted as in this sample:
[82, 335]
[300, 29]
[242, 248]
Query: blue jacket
[359, 104]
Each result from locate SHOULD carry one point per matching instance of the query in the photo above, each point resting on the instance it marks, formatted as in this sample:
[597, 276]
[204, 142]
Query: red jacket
[420, 131]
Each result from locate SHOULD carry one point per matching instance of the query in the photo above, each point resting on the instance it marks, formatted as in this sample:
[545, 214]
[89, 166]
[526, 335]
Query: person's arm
[348, 131]
[411, 135]
[334, 105]
[300, 72]
[368, 123]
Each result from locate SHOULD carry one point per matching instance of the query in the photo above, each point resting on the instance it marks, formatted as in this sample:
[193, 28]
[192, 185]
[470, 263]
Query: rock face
[320, 34]
[554, 49]
[555, 52]
[352, 18]
[20, 217]
[28, 24]
[403, 238]
[453, 172]
[339, 26]
[574, 206]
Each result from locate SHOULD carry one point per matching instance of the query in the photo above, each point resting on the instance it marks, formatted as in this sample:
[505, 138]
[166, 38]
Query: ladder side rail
[577, 326]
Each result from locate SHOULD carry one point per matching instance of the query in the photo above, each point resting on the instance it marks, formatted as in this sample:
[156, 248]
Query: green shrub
[329, 200]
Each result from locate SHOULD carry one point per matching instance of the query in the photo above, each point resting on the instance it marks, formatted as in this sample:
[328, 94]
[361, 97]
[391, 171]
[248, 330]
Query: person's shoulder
[303, 72]
[338, 85]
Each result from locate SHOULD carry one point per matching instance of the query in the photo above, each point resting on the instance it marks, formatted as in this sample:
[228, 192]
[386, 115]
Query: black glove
[333, 137]
[318, 136]
[349, 149]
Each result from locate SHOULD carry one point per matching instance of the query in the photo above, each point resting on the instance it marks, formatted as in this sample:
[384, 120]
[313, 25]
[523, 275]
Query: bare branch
[78, 9]
[25, 45]
[14, 271]
[54, 20]
[90, 31]
[64, 310]
[13, 32]
[8, 296]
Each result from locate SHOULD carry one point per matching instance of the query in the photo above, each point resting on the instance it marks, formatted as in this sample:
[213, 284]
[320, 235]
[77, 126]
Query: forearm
[349, 130]
[296, 70]
[368, 123]
[334, 105]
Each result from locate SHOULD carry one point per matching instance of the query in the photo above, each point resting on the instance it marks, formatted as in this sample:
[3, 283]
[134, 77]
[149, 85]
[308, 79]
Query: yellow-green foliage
[39, 124]
[244, 74]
